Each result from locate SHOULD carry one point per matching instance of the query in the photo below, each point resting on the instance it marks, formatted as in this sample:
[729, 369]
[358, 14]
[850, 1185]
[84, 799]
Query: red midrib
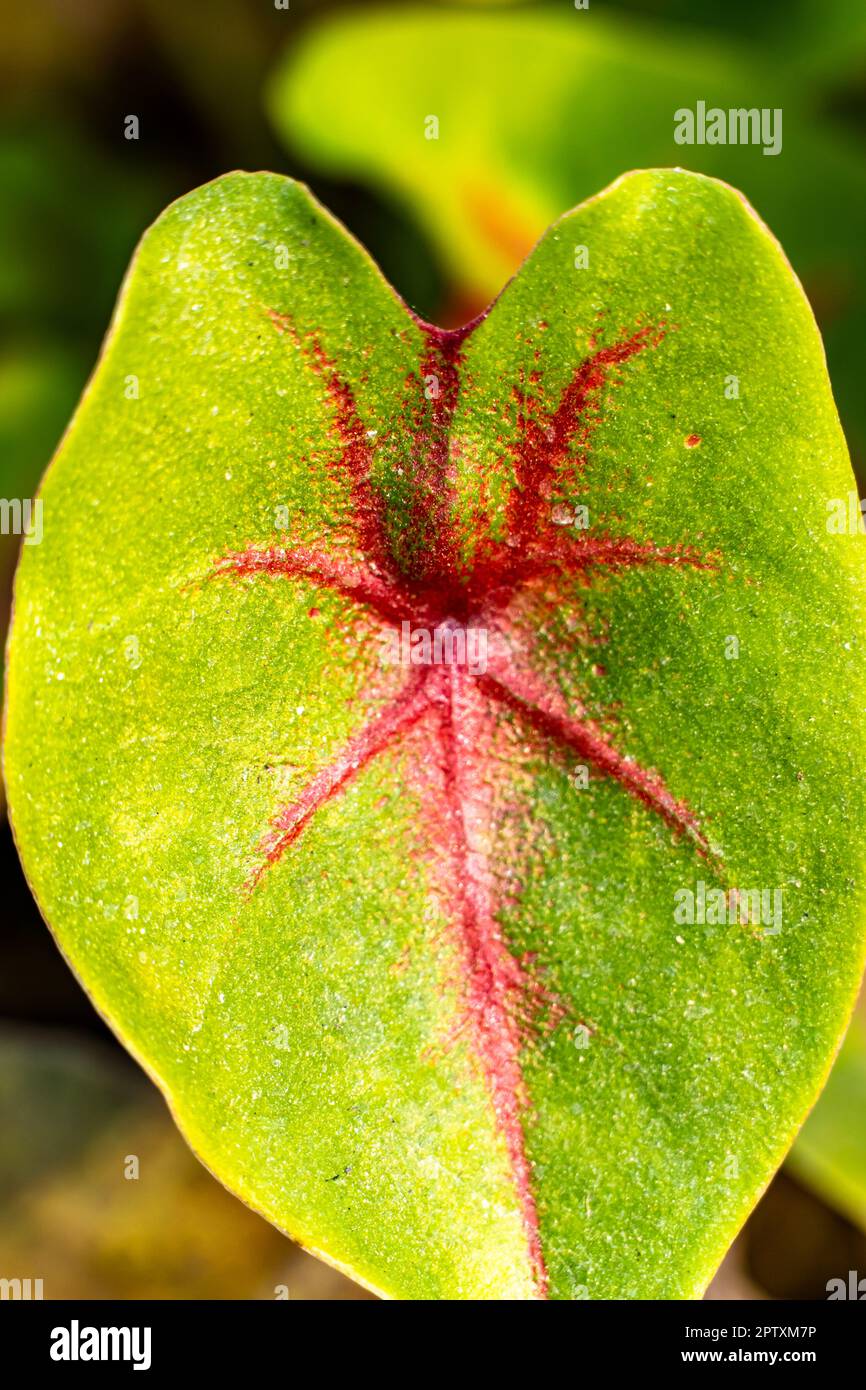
[496, 989]
[494, 981]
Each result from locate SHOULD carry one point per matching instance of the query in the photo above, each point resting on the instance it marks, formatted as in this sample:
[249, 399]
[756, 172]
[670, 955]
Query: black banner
[81, 1338]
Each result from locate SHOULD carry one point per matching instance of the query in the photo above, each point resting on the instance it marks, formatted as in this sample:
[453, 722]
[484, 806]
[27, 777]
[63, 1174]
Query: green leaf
[538, 108]
[830, 1152]
[404, 945]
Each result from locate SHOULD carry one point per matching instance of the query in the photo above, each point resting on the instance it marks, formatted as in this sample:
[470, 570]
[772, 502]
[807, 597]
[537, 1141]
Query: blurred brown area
[790, 1248]
[101, 1198]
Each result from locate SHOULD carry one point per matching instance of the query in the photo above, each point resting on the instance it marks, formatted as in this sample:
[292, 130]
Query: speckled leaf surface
[378, 695]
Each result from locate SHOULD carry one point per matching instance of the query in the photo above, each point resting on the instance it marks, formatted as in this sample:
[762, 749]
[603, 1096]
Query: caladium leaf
[384, 701]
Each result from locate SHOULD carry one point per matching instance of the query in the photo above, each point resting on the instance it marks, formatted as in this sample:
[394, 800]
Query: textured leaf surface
[399, 941]
[527, 125]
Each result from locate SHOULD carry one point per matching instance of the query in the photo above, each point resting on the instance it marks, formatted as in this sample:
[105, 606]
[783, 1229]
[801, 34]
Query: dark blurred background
[249, 84]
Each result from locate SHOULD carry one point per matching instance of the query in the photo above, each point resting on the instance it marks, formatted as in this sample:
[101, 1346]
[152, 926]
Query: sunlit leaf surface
[438, 753]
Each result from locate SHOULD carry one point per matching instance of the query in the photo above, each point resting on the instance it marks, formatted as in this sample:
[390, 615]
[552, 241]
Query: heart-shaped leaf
[437, 752]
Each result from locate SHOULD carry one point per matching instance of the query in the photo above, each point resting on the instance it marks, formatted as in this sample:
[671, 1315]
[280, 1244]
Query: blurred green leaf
[830, 1152]
[802, 34]
[539, 107]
